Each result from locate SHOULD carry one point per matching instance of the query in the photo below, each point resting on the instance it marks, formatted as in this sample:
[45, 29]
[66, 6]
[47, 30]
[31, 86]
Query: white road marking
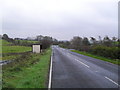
[111, 80]
[83, 63]
[50, 74]
[68, 54]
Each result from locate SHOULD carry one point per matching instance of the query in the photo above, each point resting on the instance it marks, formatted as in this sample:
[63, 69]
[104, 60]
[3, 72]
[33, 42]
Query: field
[4, 42]
[29, 41]
[8, 48]
[98, 57]
[15, 49]
[30, 72]
[24, 42]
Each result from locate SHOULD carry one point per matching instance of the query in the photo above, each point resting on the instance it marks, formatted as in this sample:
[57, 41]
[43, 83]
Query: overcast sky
[61, 19]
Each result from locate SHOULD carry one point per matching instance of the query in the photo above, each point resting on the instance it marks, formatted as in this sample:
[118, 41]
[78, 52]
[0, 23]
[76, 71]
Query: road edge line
[50, 73]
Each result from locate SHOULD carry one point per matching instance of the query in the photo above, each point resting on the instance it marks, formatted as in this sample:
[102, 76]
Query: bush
[110, 52]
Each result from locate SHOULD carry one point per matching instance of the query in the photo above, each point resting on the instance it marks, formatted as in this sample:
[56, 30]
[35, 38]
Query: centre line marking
[83, 63]
[111, 80]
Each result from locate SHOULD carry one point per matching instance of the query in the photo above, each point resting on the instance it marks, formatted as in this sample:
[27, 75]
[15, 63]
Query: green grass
[9, 57]
[27, 41]
[116, 43]
[4, 42]
[6, 48]
[98, 57]
[31, 72]
[15, 49]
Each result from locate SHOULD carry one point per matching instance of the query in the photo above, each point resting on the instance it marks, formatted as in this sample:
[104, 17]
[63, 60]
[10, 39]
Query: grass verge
[98, 57]
[31, 72]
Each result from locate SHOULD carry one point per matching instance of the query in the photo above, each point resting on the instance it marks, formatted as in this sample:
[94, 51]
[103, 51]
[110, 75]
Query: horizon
[58, 39]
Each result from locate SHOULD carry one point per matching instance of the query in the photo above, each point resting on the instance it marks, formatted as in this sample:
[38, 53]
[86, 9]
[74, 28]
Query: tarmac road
[72, 70]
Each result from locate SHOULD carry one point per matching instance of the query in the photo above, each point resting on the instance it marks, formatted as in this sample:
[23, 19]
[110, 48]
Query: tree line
[45, 41]
[105, 47]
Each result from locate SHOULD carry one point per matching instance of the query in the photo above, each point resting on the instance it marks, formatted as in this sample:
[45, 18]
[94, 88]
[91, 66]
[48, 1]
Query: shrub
[110, 52]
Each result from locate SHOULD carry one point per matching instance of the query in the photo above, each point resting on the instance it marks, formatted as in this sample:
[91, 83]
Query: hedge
[111, 52]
